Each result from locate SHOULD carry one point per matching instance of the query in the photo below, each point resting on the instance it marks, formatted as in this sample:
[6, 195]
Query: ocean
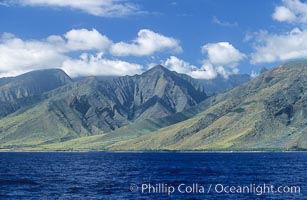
[154, 175]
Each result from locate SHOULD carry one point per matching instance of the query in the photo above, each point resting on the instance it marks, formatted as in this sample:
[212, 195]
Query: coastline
[157, 151]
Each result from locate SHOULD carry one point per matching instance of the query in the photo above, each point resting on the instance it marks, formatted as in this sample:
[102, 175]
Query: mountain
[217, 85]
[32, 83]
[89, 107]
[156, 93]
[24, 90]
[221, 84]
[267, 113]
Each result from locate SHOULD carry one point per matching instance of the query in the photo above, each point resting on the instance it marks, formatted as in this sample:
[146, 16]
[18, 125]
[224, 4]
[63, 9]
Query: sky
[201, 38]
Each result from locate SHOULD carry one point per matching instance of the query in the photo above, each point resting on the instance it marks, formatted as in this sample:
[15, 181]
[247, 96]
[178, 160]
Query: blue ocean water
[151, 175]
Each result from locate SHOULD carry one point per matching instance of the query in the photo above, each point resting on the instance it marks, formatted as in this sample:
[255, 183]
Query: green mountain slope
[161, 110]
[25, 90]
[32, 83]
[104, 142]
[90, 107]
[268, 113]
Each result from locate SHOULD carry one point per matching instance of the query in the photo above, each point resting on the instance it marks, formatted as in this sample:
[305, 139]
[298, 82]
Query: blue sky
[202, 38]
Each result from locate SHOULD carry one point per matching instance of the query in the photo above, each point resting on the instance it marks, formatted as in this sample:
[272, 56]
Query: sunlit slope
[27, 89]
[103, 142]
[90, 107]
[268, 113]
[51, 120]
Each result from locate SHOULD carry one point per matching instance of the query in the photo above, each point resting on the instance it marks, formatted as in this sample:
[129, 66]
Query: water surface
[114, 175]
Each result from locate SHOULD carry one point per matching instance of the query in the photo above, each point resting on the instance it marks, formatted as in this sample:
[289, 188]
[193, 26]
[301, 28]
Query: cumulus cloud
[283, 14]
[147, 43]
[175, 64]
[222, 53]
[273, 47]
[18, 56]
[83, 39]
[270, 47]
[97, 65]
[79, 40]
[292, 11]
[207, 70]
[102, 8]
[221, 59]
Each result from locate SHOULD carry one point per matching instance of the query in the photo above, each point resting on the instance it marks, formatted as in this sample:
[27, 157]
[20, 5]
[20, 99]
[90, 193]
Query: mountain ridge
[266, 113]
[90, 107]
[140, 113]
[25, 90]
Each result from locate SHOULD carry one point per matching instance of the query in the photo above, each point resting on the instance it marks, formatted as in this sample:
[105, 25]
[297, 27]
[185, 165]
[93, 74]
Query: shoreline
[156, 151]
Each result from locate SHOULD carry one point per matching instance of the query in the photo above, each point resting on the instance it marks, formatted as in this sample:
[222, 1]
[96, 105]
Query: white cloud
[292, 11]
[273, 47]
[206, 71]
[18, 56]
[83, 39]
[147, 43]
[221, 58]
[224, 57]
[103, 8]
[175, 64]
[283, 14]
[97, 65]
[254, 74]
[222, 53]
[270, 47]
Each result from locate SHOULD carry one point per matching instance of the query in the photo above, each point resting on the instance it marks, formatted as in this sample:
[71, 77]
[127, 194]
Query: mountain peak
[158, 68]
[32, 83]
[44, 71]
